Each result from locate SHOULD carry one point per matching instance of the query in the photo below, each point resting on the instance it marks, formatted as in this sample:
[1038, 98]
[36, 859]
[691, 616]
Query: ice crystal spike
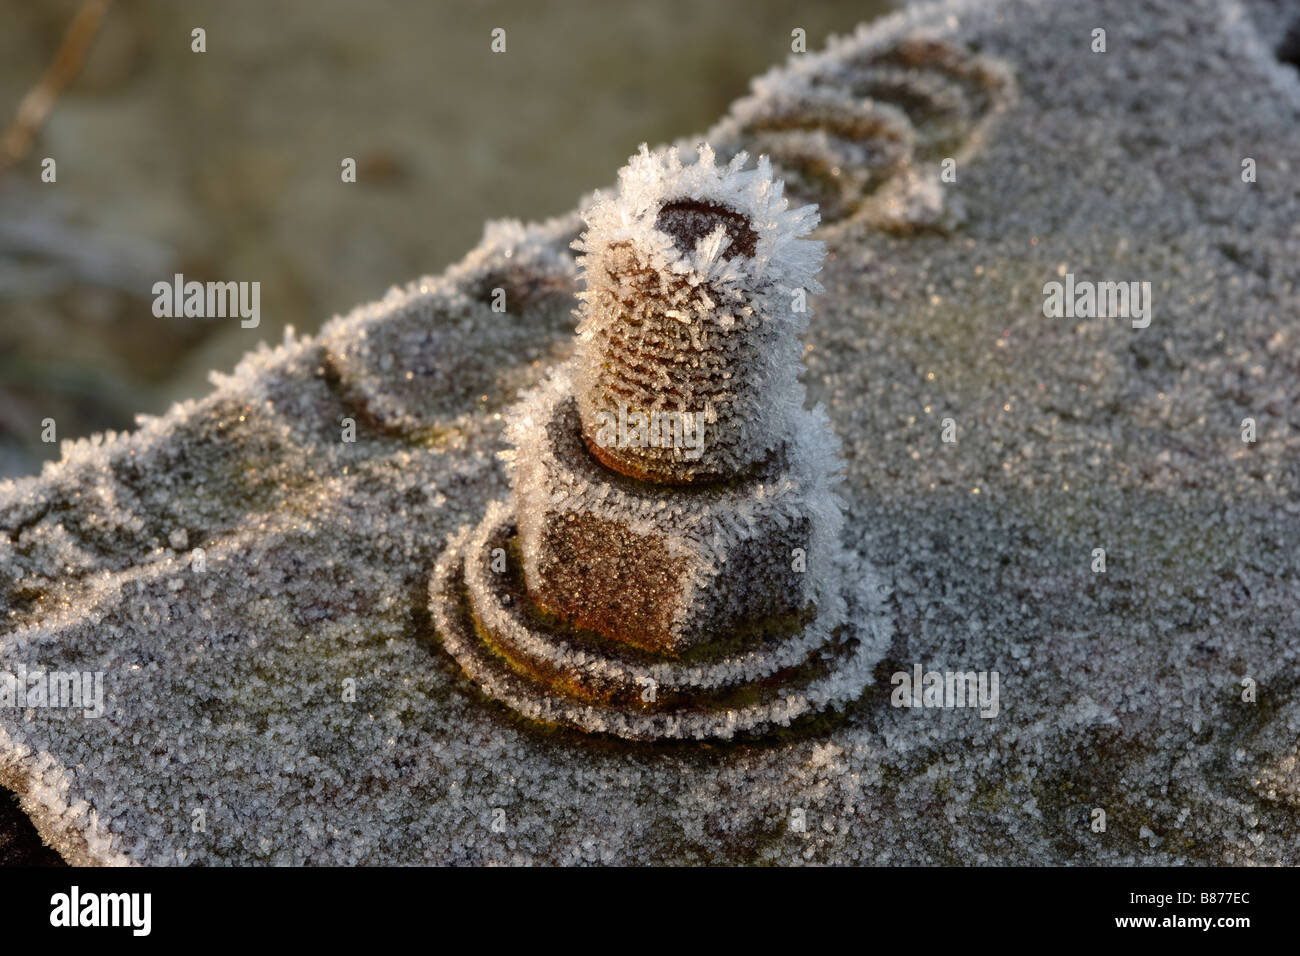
[697, 281]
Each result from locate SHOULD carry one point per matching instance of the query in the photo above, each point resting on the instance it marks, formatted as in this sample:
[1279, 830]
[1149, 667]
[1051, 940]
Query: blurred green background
[225, 165]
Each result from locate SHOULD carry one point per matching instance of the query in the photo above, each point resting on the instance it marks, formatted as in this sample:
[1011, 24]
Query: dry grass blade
[40, 99]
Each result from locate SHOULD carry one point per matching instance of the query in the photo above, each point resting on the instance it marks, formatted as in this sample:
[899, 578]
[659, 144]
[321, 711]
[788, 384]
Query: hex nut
[610, 554]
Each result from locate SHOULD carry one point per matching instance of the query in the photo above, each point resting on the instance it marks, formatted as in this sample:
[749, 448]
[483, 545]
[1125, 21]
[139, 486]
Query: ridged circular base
[550, 672]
